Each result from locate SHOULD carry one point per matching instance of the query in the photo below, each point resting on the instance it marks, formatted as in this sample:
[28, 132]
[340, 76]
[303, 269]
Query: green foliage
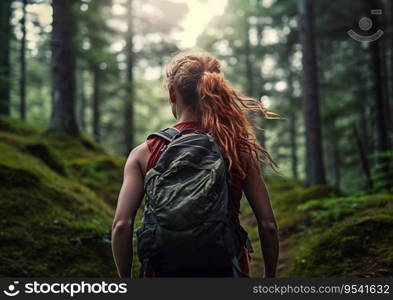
[331, 210]
[285, 204]
[382, 172]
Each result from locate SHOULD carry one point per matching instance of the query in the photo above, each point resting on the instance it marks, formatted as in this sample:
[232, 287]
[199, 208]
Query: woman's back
[155, 144]
[198, 91]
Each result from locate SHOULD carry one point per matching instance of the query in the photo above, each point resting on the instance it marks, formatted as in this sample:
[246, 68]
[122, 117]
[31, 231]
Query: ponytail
[198, 78]
[224, 118]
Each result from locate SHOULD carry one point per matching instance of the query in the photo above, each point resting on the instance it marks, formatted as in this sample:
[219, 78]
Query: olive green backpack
[186, 228]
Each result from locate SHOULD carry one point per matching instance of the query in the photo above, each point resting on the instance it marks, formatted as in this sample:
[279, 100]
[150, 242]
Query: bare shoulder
[138, 158]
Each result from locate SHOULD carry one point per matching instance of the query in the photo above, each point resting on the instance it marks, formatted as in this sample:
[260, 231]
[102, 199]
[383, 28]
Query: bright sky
[199, 14]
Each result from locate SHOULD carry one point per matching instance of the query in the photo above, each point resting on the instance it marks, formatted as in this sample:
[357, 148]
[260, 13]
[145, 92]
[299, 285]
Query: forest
[81, 85]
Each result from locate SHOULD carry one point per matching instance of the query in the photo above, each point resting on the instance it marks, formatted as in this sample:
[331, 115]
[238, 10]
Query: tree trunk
[364, 128]
[381, 132]
[81, 107]
[130, 93]
[333, 145]
[63, 119]
[292, 127]
[385, 83]
[381, 137]
[251, 91]
[363, 158]
[96, 104]
[260, 90]
[247, 57]
[336, 165]
[315, 169]
[5, 66]
[292, 133]
[22, 83]
[390, 41]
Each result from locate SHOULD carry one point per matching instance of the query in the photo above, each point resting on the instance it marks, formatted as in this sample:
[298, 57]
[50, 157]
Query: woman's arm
[258, 197]
[130, 198]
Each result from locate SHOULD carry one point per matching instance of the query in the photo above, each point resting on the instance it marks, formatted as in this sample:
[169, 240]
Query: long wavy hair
[221, 110]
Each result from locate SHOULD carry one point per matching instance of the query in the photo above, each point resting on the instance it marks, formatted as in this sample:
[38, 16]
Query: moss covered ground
[324, 233]
[57, 198]
[58, 195]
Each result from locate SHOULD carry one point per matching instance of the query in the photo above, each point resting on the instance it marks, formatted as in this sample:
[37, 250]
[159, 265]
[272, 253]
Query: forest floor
[248, 220]
[324, 233]
[58, 197]
[256, 263]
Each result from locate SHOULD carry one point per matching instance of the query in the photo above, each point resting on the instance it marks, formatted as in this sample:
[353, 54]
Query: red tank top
[155, 144]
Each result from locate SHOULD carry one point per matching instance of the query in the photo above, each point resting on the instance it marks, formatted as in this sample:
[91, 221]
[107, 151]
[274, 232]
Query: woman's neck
[187, 118]
[187, 114]
[186, 121]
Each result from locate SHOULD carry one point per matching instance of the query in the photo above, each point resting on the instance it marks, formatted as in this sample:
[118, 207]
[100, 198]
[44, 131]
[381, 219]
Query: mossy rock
[52, 224]
[279, 184]
[326, 211]
[90, 145]
[10, 177]
[104, 174]
[41, 213]
[358, 246]
[17, 126]
[43, 152]
[285, 205]
[40, 219]
[324, 233]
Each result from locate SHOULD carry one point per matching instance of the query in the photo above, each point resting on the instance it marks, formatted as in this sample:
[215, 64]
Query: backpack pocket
[184, 198]
[146, 240]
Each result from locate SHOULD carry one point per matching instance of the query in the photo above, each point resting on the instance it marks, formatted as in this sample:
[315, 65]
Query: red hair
[220, 109]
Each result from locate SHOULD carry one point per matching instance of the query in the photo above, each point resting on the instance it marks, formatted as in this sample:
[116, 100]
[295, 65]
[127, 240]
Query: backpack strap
[143, 268]
[167, 134]
[249, 248]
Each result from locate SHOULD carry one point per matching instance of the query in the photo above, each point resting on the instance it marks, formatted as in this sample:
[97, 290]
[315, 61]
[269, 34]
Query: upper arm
[257, 195]
[131, 192]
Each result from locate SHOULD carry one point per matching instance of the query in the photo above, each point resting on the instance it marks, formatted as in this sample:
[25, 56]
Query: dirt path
[257, 265]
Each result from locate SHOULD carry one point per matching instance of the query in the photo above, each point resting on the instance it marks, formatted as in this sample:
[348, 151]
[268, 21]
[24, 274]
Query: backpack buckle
[163, 148]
